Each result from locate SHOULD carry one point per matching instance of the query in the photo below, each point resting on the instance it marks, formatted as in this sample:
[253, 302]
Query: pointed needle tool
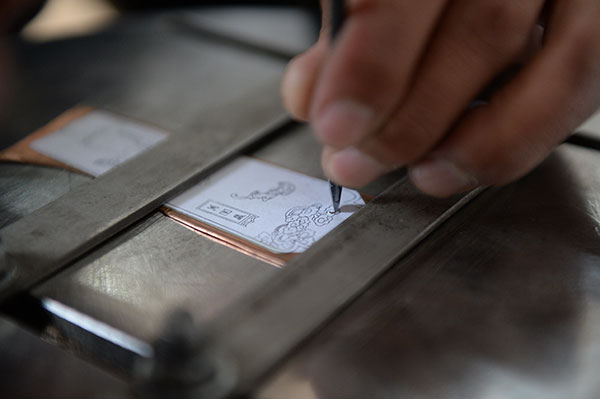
[338, 15]
[336, 196]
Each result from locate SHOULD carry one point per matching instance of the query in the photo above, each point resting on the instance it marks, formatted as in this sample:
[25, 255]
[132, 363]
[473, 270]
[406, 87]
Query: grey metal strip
[45, 241]
[269, 324]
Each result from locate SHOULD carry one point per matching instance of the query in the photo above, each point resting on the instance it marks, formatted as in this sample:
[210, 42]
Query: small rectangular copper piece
[230, 240]
[21, 152]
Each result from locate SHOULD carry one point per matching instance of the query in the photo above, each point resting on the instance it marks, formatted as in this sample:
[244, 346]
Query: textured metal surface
[30, 368]
[27, 188]
[263, 329]
[96, 210]
[502, 301]
[141, 66]
[136, 279]
[592, 126]
[94, 214]
[280, 32]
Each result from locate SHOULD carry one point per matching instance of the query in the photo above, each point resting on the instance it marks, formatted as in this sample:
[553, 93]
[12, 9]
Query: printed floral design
[283, 188]
[295, 235]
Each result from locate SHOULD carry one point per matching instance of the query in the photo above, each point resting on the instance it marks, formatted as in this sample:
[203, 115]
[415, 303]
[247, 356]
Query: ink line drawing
[101, 141]
[227, 212]
[296, 235]
[283, 188]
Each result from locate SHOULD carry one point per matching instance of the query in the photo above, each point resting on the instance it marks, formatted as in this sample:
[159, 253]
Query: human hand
[395, 88]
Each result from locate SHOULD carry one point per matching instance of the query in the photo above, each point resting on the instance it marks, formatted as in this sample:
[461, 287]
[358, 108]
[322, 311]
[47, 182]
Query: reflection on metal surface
[504, 300]
[268, 325]
[291, 30]
[186, 364]
[22, 152]
[98, 328]
[32, 368]
[501, 301]
[137, 279]
[133, 190]
[594, 207]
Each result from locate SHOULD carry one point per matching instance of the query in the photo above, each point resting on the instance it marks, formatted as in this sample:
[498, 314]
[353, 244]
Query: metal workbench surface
[500, 300]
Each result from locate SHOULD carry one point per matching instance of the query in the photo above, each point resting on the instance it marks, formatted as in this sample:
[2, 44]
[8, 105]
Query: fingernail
[343, 123]
[353, 168]
[441, 178]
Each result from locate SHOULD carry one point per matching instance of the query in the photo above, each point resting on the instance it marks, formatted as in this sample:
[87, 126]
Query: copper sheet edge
[229, 240]
[21, 152]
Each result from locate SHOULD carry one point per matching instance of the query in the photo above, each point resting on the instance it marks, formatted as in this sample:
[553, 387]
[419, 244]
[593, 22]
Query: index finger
[368, 71]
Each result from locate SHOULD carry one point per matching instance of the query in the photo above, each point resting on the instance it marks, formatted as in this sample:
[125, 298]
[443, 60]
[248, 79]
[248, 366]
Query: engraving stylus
[336, 195]
[338, 15]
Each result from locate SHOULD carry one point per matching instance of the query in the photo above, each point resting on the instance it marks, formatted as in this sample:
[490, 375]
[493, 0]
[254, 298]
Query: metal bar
[47, 240]
[584, 139]
[269, 324]
[182, 23]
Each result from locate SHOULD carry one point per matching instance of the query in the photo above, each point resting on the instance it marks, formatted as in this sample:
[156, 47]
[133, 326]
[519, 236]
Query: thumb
[300, 78]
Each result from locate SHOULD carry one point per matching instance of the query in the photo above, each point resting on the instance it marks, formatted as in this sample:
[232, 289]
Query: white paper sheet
[98, 141]
[276, 208]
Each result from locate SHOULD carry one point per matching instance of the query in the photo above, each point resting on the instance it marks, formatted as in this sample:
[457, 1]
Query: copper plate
[22, 152]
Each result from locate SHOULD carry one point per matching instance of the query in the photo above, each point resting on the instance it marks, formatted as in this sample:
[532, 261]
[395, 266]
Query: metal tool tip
[336, 207]
[336, 195]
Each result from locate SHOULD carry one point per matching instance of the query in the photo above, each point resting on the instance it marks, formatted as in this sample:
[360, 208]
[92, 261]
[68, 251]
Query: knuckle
[500, 26]
[506, 162]
[371, 70]
[500, 167]
[582, 52]
[583, 36]
[369, 77]
[406, 140]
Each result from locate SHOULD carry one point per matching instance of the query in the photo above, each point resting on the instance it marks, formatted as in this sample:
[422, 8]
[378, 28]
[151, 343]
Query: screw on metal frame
[186, 364]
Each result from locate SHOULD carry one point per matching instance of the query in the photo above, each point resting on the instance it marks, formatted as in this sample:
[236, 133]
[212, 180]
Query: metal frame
[54, 236]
